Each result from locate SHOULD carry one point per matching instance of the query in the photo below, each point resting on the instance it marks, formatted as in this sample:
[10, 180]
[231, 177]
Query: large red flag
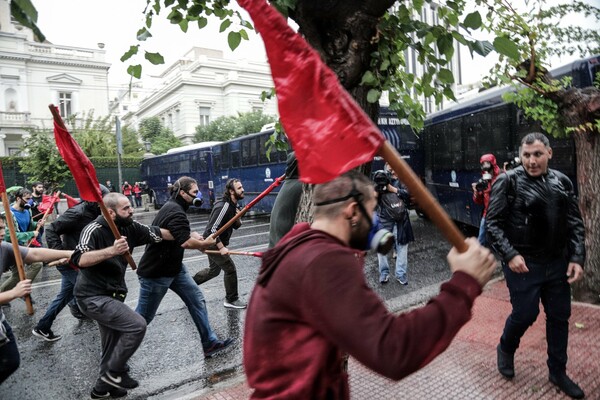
[81, 167]
[329, 132]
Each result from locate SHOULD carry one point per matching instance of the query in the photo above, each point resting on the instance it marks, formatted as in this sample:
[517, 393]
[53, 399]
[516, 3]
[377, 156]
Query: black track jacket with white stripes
[108, 277]
[222, 212]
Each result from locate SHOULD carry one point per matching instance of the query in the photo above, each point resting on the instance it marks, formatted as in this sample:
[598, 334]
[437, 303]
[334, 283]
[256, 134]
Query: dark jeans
[9, 354]
[64, 297]
[121, 330]
[153, 290]
[548, 282]
[216, 263]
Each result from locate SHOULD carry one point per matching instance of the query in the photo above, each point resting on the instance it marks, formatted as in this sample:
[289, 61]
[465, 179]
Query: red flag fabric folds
[81, 167]
[71, 201]
[329, 132]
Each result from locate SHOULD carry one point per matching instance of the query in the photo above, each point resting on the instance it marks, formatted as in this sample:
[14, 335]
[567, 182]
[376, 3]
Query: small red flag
[2, 184]
[329, 132]
[71, 201]
[81, 167]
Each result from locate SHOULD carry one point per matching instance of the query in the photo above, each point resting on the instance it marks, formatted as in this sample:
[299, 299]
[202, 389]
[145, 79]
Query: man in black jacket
[535, 227]
[161, 267]
[63, 234]
[224, 210]
[101, 290]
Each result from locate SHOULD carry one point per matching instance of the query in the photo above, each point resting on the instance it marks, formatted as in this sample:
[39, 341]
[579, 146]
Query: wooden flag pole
[426, 201]
[13, 238]
[105, 213]
[237, 253]
[43, 220]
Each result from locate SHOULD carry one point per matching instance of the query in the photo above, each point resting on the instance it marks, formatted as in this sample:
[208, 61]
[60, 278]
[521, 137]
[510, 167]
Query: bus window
[262, 150]
[225, 156]
[184, 164]
[448, 146]
[216, 156]
[249, 156]
[235, 158]
[201, 161]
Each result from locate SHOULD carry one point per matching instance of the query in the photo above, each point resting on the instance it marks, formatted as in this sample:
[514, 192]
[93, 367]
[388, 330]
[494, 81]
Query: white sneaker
[235, 304]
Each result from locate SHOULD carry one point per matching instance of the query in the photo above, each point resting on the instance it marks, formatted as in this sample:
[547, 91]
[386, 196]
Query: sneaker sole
[118, 386]
[215, 352]
[47, 339]
[234, 307]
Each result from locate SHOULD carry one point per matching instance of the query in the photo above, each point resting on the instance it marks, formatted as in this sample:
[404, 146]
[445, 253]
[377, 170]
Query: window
[249, 156]
[204, 115]
[65, 104]
[262, 150]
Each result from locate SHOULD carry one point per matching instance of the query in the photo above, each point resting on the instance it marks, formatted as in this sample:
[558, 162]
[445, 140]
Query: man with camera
[483, 187]
[392, 201]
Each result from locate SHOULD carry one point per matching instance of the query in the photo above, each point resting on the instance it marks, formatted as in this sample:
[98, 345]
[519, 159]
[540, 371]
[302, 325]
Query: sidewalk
[467, 369]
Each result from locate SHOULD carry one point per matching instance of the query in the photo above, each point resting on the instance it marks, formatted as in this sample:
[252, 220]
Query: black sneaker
[121, 381]
[236, 304]
[106, 394]
[217, 347]
[48, 335]
[566, 385]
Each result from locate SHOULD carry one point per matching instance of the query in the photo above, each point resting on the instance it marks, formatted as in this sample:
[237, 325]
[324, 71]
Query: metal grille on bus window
[262, 150]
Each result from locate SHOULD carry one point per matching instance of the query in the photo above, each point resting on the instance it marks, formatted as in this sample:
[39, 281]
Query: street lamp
[148, 147]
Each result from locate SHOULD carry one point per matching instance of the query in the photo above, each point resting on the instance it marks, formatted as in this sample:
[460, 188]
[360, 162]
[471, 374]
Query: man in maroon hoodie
[312, 305]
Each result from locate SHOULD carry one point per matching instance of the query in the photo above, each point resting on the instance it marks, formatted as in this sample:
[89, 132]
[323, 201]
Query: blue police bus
[245, 158]
[455, 138]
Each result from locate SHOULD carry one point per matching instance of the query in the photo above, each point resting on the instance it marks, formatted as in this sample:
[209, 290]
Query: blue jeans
[64, 297]
[548, 282]
[401, 259]
[152, 291]
[9, 354]
[481, 236]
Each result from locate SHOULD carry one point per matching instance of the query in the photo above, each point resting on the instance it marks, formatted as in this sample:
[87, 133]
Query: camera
[514, 163]
[482, 184]
[382, 179]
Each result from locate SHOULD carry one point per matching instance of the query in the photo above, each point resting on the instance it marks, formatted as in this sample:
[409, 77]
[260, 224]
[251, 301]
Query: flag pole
[43, 220]
[13, 238]
[105, 213]
[249, 206]
[423, 197]
[237, 253]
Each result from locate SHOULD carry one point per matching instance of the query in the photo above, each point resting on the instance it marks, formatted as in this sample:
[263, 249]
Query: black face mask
[122, 222]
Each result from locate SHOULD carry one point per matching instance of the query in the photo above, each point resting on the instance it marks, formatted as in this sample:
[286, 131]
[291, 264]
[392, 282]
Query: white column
[2, 145]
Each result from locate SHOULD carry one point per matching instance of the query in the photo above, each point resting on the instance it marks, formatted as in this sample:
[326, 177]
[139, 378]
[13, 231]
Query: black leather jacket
[537, 218]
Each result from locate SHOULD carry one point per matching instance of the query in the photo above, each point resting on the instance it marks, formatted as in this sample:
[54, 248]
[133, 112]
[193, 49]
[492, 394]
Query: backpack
[392, 207]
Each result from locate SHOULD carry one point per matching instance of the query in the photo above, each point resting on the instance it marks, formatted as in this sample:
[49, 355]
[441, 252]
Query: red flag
[2, 184]
[81, 167]
[71, 201]
[329, 132]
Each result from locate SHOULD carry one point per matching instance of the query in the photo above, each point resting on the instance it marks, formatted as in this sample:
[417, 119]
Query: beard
[123, 222]
[239, 196]
[359, 238]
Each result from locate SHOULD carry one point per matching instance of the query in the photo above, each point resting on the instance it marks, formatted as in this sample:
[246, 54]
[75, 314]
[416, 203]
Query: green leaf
[184, 25]
[473, 20]
[143, 34]
[135, 71]
[155, 58]
[130, 53]
[445, 75]
[234, 39]
[202, 22]
[373, 96]
[244, 34]
[224, 25]
[369, 79]
[507, 47]
[175, 17]
[481, 47]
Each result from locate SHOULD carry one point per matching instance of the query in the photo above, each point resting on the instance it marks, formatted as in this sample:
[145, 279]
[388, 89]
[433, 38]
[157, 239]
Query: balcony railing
[14, 118]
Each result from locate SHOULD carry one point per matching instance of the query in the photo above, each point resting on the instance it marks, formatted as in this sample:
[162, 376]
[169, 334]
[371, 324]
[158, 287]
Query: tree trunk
[588, 177]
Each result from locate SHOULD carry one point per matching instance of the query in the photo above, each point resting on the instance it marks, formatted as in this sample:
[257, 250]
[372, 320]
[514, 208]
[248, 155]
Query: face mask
[197, 202]
[379, 239]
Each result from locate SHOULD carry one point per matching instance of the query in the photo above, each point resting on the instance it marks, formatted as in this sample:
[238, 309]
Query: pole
[13, 238]
[119, 152]
[43, 220]
[426, 201]
[237, 253]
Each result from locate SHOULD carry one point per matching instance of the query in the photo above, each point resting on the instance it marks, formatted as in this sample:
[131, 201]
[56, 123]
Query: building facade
[201, 87]
[34, 75]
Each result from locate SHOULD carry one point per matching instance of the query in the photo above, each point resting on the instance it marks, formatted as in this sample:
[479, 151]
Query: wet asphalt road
[170, 362]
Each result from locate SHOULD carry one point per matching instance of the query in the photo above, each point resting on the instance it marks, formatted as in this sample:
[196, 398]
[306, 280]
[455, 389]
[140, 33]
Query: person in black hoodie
[161, 267]
[224, 210]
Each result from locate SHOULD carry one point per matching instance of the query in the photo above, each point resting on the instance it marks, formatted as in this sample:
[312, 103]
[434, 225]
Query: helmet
[104, 190]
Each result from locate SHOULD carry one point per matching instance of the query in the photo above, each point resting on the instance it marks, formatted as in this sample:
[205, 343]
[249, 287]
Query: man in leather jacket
[535, 227]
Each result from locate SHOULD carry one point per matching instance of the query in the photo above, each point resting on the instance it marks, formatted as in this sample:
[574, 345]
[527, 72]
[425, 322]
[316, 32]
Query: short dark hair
[22, 192]
[341, 188]
[532, 137]
[34, 184]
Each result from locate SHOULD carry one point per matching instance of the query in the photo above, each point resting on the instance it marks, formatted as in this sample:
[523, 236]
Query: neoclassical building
[34, 75]
[198, 88]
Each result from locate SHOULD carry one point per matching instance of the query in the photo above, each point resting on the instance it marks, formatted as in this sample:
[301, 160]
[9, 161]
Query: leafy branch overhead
[184, 13]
